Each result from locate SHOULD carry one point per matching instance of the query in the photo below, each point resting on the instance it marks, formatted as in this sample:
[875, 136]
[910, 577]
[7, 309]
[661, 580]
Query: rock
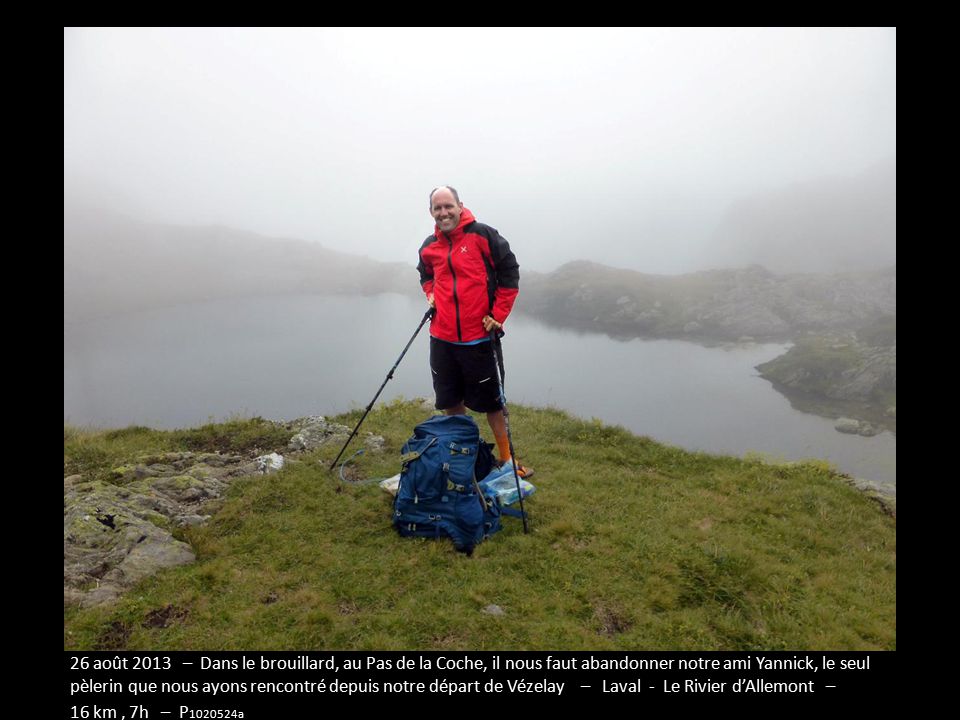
[270, 463]
[72, 598]
[142, 471]
[98, 596]
[856, 427]
[215, 460]
[847, 425]
[173, 483]
[583, 294]
[493, 610]
[317, 434]
[193, 495]
[303, 422]
[648, 317]
[886, 495]
[626, 313]
[875, 370]
[110, 541]
[162, 469]
[374, 443]
[166, 458]
[146, 558]
[250, 468]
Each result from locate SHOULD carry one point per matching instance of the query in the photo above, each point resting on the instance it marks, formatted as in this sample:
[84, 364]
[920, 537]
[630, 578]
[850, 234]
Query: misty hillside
[833, 224]
[114, 264]
[716, 304]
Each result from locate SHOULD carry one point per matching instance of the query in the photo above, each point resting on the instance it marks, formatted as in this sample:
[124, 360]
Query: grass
[633, 545]
[96, 453]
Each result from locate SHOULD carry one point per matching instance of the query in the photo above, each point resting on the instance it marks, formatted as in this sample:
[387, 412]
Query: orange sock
[503, 446]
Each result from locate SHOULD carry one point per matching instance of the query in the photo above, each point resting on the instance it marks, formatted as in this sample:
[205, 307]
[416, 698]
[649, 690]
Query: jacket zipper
[456, 300]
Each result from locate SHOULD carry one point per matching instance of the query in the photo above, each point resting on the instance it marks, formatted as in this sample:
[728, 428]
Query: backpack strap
[458, 449]
[414, 454]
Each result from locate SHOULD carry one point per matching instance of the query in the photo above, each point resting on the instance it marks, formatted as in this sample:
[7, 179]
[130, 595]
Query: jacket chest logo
[463, 248]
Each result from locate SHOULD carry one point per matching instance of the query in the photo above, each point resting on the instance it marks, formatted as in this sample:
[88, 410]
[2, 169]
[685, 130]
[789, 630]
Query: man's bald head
[452, 190]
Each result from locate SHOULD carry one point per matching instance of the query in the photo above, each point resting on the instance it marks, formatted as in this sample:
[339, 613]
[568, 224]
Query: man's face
[445, 210]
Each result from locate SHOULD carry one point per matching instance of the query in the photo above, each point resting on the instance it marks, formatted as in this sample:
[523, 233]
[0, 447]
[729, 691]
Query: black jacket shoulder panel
[480, 228]
[426, 273]
[505, 262]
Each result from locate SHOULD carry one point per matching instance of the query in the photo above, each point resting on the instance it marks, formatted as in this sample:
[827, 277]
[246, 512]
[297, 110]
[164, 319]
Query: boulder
[848, 426]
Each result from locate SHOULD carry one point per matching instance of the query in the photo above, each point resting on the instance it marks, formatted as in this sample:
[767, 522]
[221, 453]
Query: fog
[664, 151]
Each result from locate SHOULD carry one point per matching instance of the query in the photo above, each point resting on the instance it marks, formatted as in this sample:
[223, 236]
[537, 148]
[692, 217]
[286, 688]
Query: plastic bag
[501, 484]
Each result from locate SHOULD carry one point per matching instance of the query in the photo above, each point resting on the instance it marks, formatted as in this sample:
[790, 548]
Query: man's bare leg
[498, 424]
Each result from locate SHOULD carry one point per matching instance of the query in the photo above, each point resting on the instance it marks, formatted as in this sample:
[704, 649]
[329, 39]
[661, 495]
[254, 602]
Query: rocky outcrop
[117, 532]
[114, 535]
[314, 432]
[872, 376]
[845, 376]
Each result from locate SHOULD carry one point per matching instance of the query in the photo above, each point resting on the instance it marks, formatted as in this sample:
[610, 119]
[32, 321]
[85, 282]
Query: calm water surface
[287, 357]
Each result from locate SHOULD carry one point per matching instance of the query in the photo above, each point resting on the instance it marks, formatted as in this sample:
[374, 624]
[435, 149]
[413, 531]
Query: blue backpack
[438, 494]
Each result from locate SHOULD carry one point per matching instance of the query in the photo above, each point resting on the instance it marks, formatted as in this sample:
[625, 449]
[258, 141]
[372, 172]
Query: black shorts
[464, 373]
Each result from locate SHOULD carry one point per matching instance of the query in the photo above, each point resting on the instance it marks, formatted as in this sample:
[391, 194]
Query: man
[471, 277]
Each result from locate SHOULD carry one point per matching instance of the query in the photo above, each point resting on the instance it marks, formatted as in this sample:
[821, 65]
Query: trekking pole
[506, 421]
[426, 316]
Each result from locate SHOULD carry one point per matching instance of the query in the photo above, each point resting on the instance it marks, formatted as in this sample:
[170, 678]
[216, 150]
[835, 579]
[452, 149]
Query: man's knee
[456, 410]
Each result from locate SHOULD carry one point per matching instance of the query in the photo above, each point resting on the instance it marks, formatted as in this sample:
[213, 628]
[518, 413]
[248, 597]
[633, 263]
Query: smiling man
[470, 275]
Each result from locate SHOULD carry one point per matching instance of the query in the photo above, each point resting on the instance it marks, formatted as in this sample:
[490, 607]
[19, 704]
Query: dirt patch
[114, 637]
[612, 622]
[164, 617]
[348, 608]
[351, 474]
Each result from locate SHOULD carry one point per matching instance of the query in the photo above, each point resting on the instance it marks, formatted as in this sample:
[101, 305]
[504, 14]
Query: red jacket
[471, 273]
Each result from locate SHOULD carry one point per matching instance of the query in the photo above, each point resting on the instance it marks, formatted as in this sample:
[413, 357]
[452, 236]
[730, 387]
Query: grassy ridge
[634, 545]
